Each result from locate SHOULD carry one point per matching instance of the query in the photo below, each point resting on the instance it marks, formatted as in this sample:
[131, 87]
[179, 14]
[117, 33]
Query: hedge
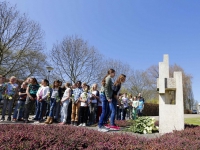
[30, 137]
[151, 109]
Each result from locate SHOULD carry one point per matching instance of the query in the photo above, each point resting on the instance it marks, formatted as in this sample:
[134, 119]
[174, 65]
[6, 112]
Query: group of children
[68, 104]
[78, 104]
[130, 107]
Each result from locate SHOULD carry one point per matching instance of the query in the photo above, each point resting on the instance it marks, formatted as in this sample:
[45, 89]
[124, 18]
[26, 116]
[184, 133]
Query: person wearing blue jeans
[42, 95]
[107, 115]
[106, 96]
[19, 109]
[52, 106]
[140, 106]
[40, 109]
[104, 110]
[54, 96]
[113, 107]
[113, 104]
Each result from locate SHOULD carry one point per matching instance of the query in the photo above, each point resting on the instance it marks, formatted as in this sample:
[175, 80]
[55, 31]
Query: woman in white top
[65, 104]
[93, 104]
[42, 95]
[84, 106]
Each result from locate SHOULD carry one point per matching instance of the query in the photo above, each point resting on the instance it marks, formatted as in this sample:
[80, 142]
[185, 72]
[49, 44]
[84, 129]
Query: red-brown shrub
[68, 137]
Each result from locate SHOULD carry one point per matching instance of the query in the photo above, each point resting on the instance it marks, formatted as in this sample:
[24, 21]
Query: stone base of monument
[171, 112]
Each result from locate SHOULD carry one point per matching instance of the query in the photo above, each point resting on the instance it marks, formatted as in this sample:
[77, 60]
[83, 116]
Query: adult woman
[106, 95]
[31, 97]
[93, 104]
[113, 104]
[55, 95]
[11, 91]
[42, 95]
[65, 104]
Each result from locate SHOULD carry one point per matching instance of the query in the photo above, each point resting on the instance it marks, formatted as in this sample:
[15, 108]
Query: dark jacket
[116, 89]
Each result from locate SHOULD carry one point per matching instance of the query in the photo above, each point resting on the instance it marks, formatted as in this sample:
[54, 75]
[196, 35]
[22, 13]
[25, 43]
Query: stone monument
[171, 113]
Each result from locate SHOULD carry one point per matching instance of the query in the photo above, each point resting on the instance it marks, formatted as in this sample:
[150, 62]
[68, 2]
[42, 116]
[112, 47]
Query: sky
[137, 32]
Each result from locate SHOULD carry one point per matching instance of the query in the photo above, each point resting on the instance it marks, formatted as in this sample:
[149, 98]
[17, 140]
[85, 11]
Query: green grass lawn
[194, 121]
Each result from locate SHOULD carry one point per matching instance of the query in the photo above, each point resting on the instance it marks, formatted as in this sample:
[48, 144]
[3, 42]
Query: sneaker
[80, 125]
[36, 122]
[107, 126]
[84, 125]
[9, 119]
[103, 129]
[14, 120]
[75, 123]
[2, 119]
[116, 128]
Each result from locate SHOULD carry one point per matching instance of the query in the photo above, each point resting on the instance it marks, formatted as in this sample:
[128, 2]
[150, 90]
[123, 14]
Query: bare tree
[188, 96]
[32, 63]
[117, 65]
[18, 36]
[187, 82]
[139, 82]
[75, 60]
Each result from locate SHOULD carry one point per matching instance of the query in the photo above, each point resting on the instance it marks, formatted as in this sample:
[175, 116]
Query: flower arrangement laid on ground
[29, 137]
[143, 125]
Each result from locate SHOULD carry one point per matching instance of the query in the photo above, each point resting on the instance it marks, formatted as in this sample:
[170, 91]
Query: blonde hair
[92, 89]
[13, 77]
